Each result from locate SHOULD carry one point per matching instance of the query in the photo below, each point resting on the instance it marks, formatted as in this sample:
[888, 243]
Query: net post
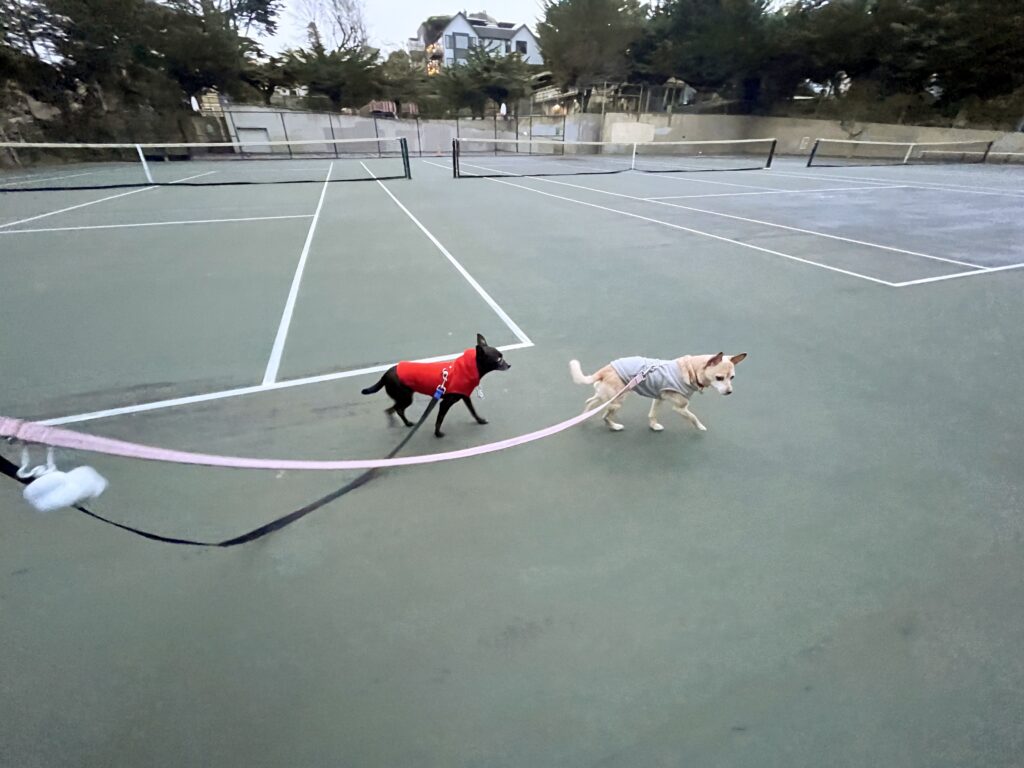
[455, 158]
[376, 133]
[814, 151]
[404, 144]
[988, 149]
[771, 153]
[910, 150]
[145, 165]
[632, 162]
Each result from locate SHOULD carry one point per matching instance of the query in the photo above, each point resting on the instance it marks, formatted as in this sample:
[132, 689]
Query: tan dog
[673, 380]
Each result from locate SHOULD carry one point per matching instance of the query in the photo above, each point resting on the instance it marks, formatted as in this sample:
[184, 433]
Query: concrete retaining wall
[432, 137]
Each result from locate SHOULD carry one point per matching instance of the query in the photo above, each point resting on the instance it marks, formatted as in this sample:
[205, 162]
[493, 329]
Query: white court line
[274, 363]
[779, 192]
[455, 263]
[761, 223]
[154, 224]
[240, 391]
[38, 180]
[694, 232]
[688, 177]
[985, 271]
[934, 185]
[101, 200]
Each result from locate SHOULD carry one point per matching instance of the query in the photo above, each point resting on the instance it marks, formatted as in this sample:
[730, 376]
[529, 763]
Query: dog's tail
[577, 373]
[375, 388]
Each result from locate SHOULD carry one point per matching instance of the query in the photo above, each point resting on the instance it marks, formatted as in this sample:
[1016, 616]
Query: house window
[508, 46]
[461, 40]
[449, 43]
[521, 47]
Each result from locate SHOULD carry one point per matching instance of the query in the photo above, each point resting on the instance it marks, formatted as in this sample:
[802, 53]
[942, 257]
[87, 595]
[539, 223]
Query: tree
[586, 42]
[341, 23]
[978, 51]
[458, 91]
[265, 74]
[710, 44]
[198, 52]
[102, 41]
[485, 76]
[502, 79]
[402, 80]
[435, 27]
[29, 27]
[241, 16]
[347, 77]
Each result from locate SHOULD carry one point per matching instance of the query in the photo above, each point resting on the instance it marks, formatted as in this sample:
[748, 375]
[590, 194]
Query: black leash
[11, 470]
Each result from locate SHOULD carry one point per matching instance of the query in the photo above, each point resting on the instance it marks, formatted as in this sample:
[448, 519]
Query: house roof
[501, 30]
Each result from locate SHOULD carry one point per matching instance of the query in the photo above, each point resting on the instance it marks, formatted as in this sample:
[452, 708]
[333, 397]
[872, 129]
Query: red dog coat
[424, 378]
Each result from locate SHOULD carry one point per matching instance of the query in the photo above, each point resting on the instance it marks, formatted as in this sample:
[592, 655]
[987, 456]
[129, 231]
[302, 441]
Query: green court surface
[830, 576]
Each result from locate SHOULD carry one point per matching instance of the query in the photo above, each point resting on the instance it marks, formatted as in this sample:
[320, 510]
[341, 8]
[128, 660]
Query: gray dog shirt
[664, 374]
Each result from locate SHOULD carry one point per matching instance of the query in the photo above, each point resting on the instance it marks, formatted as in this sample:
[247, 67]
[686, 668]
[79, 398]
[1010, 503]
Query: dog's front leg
[687, 414]
[447, 401]
[652, 415]
[469, 404]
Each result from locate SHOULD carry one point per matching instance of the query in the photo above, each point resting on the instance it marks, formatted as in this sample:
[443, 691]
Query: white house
[451, 45]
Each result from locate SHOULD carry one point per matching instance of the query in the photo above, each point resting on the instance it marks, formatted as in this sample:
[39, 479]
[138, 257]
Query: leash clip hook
[443, 386]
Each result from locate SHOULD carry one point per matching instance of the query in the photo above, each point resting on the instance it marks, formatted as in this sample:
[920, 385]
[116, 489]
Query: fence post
[330, 122]
[284, 127]
[233, 131]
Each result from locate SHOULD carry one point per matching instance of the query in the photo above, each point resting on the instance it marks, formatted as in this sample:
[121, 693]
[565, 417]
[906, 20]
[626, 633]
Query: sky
[391, 22]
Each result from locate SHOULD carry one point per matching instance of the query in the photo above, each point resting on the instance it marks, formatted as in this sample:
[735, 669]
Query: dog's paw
[481, 421]
[615, 427]
[656, 427]
[702, 428]
[439, 434]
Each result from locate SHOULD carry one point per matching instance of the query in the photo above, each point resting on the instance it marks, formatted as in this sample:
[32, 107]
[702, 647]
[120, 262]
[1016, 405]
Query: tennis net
[49, 166]
[840, 152]
[481, 158]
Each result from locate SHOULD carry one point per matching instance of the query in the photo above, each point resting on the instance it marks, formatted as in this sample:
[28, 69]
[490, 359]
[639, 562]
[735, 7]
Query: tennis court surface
[829, 576]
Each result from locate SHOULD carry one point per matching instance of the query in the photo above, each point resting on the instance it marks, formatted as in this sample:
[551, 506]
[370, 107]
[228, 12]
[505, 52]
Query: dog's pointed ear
[737, 359]
[480, 340]
[714, 360]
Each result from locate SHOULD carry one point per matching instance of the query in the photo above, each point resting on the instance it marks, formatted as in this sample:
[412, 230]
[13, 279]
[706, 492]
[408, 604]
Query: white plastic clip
[25, 471]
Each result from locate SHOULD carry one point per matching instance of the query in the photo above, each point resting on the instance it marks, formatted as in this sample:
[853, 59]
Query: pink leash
[32, 432]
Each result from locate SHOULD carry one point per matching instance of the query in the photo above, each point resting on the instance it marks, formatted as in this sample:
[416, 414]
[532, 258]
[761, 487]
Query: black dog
[458, 377]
